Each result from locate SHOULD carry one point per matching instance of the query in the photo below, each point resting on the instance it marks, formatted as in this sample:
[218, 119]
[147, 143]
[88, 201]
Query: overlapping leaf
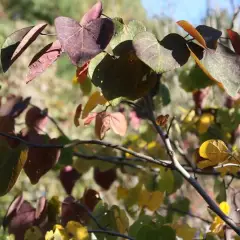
[44, 59]
[17, 43]
[82, 43]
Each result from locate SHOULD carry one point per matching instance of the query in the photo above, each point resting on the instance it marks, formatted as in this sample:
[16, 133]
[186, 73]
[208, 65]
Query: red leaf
[29, 38]
[81, 72]
[89, 118]
[118, 123]
[235, 40]
[43, 59]
[93, 13]
[36, 119]
[77, 115]
[102, 124]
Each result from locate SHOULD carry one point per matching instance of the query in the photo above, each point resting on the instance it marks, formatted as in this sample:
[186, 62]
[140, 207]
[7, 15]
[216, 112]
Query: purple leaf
[83, 43]
[68, 177]
[43, 59]
[41, 210]
[12, 52]
[93, 13]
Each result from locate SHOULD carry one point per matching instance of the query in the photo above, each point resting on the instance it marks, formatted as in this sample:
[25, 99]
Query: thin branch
[234, 17]
[213, 206]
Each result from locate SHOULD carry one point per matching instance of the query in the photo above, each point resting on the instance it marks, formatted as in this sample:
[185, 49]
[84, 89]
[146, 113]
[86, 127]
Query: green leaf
[224, 66]
[166, 232]
[86, 87]
[170, 53]
[166, 181]
[147, 232]
[142, 220]
[177, 209]
[124, 76]
[178, 181]
[11, 164]
[194, 79]
[164, 93]
[228, 118]
[220, 191]
[124, 32]
[66, 153]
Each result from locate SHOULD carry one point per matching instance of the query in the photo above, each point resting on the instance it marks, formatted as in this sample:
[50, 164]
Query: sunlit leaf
[118, 123]
[192, 31]
[205, 122]
[77, 230]
[215, 151]
[92, 37]
[184, 231]
[102, 124]
[168, 54]
[95, 99]
[120, 218]
[44, 59]
[235, 40]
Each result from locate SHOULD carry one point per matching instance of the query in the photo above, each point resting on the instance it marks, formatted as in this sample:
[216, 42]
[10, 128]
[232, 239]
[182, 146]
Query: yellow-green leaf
[205, 122]
[214, 150]
[77, 230]
[150, 200]
[95, 99]
[33, 233]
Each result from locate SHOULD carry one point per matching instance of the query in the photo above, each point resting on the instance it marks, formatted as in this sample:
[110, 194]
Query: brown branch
[234, 17]
[213, 206]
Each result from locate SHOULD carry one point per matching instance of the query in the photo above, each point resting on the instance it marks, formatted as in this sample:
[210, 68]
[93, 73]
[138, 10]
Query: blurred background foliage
[55, 90]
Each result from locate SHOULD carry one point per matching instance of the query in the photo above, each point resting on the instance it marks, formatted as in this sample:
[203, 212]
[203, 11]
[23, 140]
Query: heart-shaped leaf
[82, 43]
[210, 35]
[44, 59]
[224, 66]
[93, 13]
[118, 123]
[102, 124]
[163, 56]
[124, 76]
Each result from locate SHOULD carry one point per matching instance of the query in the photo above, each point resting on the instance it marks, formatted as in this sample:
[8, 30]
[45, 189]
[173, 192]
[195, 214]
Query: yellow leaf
[58, 233]
[121, 219]
[150, 200]
[205, 122]
[218, 223]
[95, 99]
[33, 233]
[122, 193]
[184, 231]
[77, 230]
[214, 150]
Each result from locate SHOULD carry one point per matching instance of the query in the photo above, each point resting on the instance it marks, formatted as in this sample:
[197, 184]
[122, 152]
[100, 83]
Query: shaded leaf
[105, 178]
[43, 59]
[192, 31]
[235, 40]
[210, 35]
[68, 177]
[91, 198]
[77, 115]
[124, 76]
[81, 74]
[10, 45]
[11, 163]
[83, 43]
[93, 13]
